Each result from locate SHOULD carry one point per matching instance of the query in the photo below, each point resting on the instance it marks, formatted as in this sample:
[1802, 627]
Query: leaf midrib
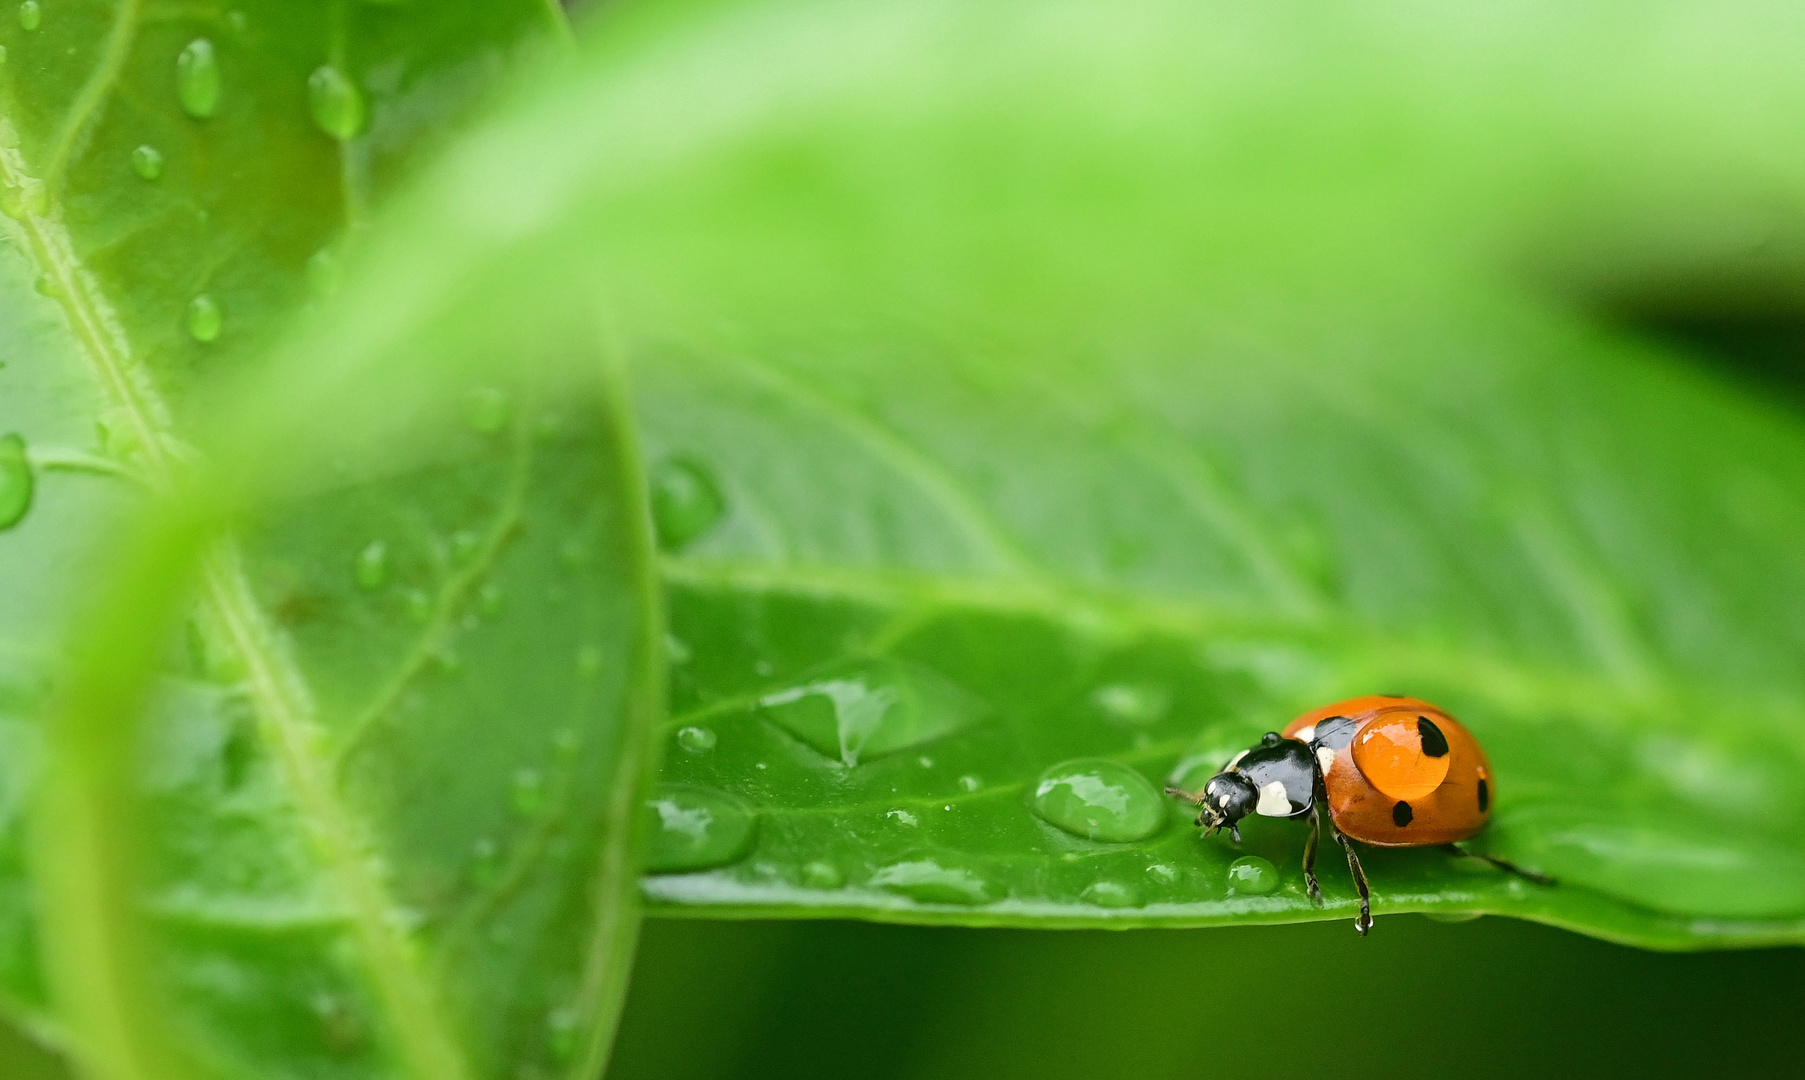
[277, 687]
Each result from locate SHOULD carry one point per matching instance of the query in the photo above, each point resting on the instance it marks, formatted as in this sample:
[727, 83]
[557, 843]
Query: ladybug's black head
[1227, 798]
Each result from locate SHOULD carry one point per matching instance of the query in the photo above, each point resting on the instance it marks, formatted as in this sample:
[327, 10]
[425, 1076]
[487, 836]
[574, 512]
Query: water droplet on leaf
[1110, 894]
[932, 882]
[902, 817]
[372, 566]
[528, 796]
[696, 828]
[16, 480]
[970, 783]
[686, 502]
[1252, 876]
[822, 875]
[205, 318]
[697, 740]
[197, 79]
[147, 162]
[1099, 799]
[31, 15]
[337, 104]
[1136, 704]
[862, 709]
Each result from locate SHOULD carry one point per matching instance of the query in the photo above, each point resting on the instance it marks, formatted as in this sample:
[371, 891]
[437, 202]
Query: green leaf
[377, 818]
[1141, 377]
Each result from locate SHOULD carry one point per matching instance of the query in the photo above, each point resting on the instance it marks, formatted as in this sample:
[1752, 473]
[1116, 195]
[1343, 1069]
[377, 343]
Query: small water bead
[822, 875]
[697, 740]
[1163, 874]
[337, 103]
[856, 710]
[1110, 894]
[1135, 704]
[969, 783]
[31, 15]
[903, 817]
[16, 480]
[205, 318]
[371, 568]
[528, 795]
[485, 861]
[147, 162]
[686, 502]
[1099, 799]
[697, 828]
[197, 79]
[1251, 875]
[931, 882]
[487, 409]
[324, 272]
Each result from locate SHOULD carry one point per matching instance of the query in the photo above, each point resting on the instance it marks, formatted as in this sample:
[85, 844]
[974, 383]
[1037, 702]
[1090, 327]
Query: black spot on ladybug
[1401, 815]
[1435, 744]
[1485, 796]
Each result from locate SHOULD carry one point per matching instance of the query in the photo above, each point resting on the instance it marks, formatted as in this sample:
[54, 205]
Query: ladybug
[1394, 772]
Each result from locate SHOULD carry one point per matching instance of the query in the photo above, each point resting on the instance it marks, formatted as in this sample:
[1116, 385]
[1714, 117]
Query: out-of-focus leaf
[377, 820]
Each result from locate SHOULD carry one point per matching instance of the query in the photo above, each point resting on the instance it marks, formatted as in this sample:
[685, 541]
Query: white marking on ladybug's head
[1273, 802]
[1305, 734]
[1324, 758]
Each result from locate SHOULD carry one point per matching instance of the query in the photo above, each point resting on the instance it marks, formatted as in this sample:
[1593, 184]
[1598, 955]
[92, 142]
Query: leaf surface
[373, 822]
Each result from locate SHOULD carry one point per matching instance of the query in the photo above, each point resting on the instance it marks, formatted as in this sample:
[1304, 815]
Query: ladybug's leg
[1310, 854]
[1507, 867]
[1365, 921]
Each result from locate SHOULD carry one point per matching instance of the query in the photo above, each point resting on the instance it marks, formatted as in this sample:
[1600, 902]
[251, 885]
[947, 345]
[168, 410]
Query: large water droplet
[686, 502]
[932, 882]
[147, 162]
[1099, 799]
[372, 566]
[16, 481]
[1111, 894]
[697, 740]
[31, 15]
[1252, 876]
[695, 828]
[487, 409]
[338, 105]
[862, 709]
[205, 318]
[197, 79]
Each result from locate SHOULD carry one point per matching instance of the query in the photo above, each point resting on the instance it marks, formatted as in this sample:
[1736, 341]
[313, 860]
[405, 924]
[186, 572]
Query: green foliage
[1035, 402]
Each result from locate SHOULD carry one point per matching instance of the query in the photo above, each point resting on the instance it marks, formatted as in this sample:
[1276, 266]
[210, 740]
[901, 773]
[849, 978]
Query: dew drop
[1163, 874]
[861, 709]
[902, 817]
[16, 480]
[31, 15]
[932, 882]
[197, 79]
[970, 783]
[485, 861]
[1133, 704]
[822, 875]
[528, 794]
[488, 409]
[697, 740]
[337, 104]
[1110, 894]
[324, 272]
[1099, 799]
[686, 502]
[1252, 876]
[205, 318]
[371, 568]
[696, 828]
[147, 162]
